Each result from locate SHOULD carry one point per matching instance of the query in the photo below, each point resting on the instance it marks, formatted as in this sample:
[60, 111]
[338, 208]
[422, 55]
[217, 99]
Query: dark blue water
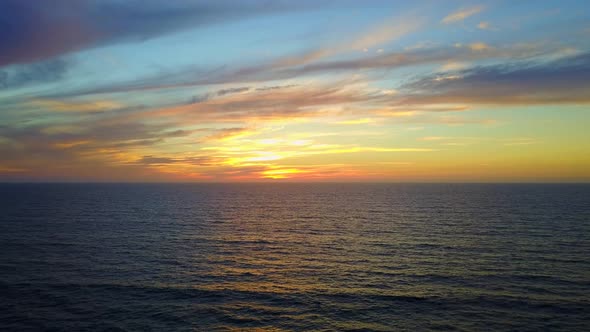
[330, 257]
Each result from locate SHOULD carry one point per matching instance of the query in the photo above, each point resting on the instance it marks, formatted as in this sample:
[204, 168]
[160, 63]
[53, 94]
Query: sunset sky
[182, 90]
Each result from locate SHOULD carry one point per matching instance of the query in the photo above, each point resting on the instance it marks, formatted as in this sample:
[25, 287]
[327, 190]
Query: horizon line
[295, 182]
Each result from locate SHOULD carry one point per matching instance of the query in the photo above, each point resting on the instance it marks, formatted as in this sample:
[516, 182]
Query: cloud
[484, 25]
[70, 106]
[232, 90]
[41, 72]
[461, 14]
[134, 142]
[386, 32]
[463, 141]
[258, 152]
[562, 81]
[35, 30]
[228, 133]
[433, 138]
[356, 121]
[266, 88]
[266, 72]
[90, 148]
[123, 136]
[155, 160]
[453, 65]
[479, 46]
[292, 103]
[383, 33]
[135, 147]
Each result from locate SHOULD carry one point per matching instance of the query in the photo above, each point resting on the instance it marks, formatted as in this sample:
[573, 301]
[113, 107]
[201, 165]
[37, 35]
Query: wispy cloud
[268, 105]
[73, 106]
[485, 25]
[479, 46]
[229, 133]
[267, 72]
[383, 33]
[461, 14]
[42, 72]
[356, 121]
[470, 140]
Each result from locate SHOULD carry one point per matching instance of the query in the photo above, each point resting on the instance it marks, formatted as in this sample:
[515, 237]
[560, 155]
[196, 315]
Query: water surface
[330, 257]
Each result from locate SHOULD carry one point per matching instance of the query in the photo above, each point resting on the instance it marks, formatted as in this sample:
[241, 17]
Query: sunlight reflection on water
[294, 257]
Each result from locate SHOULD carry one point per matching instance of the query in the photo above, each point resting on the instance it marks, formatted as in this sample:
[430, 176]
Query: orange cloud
[85, 106]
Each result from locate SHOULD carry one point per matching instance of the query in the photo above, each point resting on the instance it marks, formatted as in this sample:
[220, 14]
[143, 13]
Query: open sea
[294, 257]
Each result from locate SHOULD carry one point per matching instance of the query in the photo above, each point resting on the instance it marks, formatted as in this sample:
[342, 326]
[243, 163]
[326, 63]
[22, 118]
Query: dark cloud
[199, 98]
[232, 90]
[566, 80]
[34, 30]
[276, 87]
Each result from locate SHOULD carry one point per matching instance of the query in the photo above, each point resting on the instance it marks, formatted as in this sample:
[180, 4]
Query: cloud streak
[266, 72]
[461, 14]
[35, 30]
[563, 81]
[383, 33]
[41, 72]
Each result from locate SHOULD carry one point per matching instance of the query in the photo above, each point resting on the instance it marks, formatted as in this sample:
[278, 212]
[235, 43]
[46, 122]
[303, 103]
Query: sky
[329, 90]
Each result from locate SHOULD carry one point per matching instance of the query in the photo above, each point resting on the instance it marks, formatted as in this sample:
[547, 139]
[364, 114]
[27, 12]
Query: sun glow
[282, 173]
[231, 99]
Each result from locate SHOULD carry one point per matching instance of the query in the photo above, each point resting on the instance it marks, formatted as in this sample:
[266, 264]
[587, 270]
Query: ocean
[294, 257]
